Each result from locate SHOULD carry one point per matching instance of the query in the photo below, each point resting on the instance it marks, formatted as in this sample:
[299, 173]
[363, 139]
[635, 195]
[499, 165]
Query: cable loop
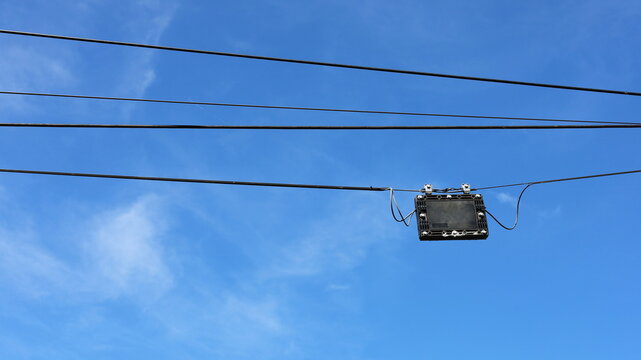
[518, 207]
[403, 218]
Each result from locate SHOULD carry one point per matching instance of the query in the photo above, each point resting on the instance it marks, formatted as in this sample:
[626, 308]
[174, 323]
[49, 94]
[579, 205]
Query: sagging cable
[518, 207]
[405, 219]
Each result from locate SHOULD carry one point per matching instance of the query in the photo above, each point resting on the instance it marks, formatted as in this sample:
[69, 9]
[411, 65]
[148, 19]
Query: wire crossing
[321, 63]
[276, 107]
[319, 127]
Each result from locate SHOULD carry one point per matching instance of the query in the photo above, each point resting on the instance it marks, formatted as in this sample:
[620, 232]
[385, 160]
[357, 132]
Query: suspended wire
[405, 219]
[528, 184]
[334, 187]
[201, 181]
[276, 107]
[321, 127]
[518, 207]
[397, 213]
[320, 63]
[558, 180]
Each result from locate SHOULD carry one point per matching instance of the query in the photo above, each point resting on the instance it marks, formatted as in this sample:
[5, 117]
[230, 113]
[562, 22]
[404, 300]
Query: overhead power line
[307, 186]
[559, 180]
[320, 127]
[393, 204]
[321, 63]
[276, 107]
[202, 181]
[528, 184]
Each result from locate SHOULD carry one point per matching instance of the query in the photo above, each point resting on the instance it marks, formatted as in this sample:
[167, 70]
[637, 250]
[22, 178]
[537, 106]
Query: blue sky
[105, 268]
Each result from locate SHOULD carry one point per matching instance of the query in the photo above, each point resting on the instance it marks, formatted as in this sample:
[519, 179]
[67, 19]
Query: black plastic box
[451, 217]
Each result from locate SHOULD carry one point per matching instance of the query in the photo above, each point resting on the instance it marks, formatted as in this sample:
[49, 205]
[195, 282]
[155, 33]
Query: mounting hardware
[466, 188]
[427, 188]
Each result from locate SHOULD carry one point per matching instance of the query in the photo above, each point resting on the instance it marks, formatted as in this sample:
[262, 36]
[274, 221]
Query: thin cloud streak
[140, 73]
[29, 268]
[124, 258]
[126, 252]
[28, 68]
[506, 198]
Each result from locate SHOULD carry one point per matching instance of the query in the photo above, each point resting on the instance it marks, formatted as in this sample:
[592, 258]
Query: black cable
[318, 127]
[518, 207]
[201, 181]
[558, 180]
[527, 185]
[320, 63]
[402, 218]
[359, 111]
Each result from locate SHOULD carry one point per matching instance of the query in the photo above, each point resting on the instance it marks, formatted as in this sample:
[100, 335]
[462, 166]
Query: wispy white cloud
[506, 198]
[549, 213]
[123, 257]
[263, 313]
[160, 13]
[29, 268]
[30, 69]
[140, 73]
[255, 314]
[126, 252]
[338, 287]
[225, 323]
[339, 243]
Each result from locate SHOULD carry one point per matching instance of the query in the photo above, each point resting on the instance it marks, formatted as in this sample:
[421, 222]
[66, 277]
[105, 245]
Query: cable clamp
[466, 188]
[428, 189]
